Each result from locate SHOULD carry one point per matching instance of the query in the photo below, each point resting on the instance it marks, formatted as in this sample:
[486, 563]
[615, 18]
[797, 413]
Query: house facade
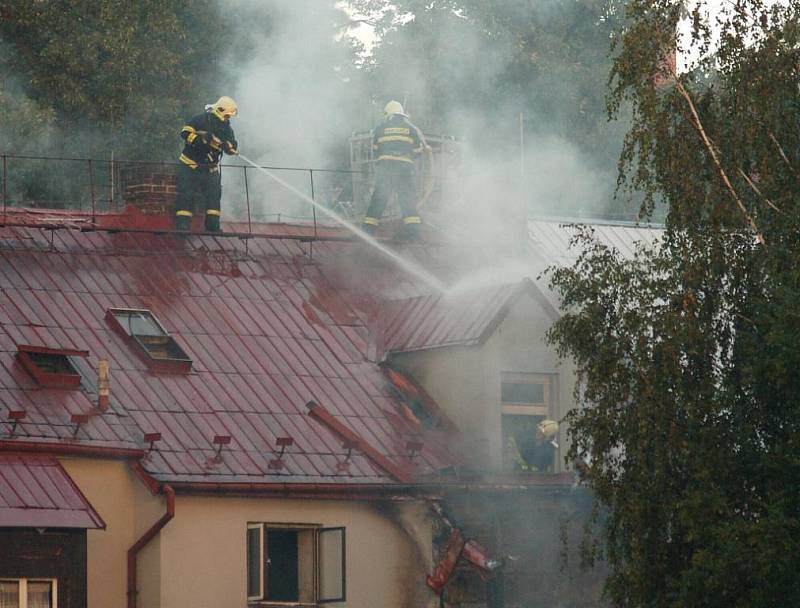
[277, 418]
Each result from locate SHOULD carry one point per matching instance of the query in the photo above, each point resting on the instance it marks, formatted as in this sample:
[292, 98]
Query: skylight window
[51, 367]
[153, 343]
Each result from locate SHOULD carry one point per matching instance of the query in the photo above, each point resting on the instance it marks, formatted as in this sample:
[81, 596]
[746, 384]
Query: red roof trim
[319, 413]
[68, 449]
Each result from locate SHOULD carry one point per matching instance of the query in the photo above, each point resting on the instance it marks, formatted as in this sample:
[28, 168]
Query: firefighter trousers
[392, 176]
[201, 185]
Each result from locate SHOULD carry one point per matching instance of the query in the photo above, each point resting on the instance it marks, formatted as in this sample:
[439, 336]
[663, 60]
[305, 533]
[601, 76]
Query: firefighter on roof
[206, 137]
[397, 142]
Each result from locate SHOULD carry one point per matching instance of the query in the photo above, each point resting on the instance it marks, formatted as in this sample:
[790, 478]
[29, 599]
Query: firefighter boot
[370, 225]
[212, 221]
[183, 221]
[411, 228]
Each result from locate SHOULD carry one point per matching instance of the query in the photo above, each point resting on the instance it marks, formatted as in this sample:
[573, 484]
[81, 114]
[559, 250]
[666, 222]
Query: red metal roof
[462, 319]
[268, 324]
[36, 492]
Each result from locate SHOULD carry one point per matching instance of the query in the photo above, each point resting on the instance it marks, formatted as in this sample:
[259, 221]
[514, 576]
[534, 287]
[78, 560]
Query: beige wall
[203, 551]
[465, 381]
[129, 510]
[199, 558]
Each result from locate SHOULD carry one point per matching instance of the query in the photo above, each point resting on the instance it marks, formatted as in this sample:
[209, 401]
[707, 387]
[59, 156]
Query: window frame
[343, 597]
[181, 363]
[23, 588]
[70, 378]
[525, 408]
[316, 591]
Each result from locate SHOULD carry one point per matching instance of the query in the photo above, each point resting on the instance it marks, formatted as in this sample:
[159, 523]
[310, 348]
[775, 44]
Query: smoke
[302, 92]
[293, 75]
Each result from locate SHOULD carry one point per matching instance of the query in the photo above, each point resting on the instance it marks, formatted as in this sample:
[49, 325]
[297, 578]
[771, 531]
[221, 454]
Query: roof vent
[151, 438]
[219, 441]
[78, 420]
[153, 343]
[276, 464]
[14, 417]
[51, 367]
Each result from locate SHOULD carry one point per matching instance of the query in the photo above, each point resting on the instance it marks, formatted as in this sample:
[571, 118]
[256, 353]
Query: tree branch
[757, 191]
[783, 154]
[714, 157]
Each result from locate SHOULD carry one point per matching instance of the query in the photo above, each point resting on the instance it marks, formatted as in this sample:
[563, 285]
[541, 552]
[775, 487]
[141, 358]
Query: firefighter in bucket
[397, 142]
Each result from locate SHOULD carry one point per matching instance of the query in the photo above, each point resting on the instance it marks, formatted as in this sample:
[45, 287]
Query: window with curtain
[27, 593]
[9, 594]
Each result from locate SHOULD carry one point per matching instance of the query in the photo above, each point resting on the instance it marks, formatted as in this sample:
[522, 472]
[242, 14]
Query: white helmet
[394, 107]
[224, 107]
[548, 428]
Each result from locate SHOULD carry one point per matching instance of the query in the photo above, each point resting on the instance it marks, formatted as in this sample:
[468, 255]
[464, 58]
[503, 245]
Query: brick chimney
[149, 187]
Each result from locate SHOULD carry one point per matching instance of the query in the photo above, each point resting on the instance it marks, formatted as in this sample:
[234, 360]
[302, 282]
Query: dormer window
[51, 367]
[152, 342]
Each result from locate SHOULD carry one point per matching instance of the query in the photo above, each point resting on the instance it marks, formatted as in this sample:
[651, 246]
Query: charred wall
[537, 533]
[52, 554]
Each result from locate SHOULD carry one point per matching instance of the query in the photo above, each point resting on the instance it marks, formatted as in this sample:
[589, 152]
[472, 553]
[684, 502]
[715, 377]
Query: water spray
[406, 265]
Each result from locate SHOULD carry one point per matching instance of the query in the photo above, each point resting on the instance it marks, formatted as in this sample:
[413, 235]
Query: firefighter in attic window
[206, 137]
[534, 451]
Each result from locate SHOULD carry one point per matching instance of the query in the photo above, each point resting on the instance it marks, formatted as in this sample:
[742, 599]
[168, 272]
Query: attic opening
[153, 343]
[51, 367]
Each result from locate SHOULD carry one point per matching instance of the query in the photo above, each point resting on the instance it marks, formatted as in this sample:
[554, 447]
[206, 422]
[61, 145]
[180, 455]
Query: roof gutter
[146, 538]
[70, 449]
[333, 491]
[351, 491]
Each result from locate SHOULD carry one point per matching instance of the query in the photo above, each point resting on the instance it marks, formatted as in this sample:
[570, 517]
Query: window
[154, 344]
[526, 394]
[295, 564]
[28, 593]
[51, 367]
[526, 400]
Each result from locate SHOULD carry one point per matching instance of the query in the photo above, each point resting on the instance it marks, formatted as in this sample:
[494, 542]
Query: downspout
[146, 538]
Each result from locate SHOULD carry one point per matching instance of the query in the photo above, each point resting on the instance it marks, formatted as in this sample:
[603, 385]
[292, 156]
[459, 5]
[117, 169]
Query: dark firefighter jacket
[397, 139]
[197, 153]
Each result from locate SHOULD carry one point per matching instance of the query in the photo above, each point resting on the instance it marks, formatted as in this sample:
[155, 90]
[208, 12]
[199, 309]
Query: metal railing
[98, 186]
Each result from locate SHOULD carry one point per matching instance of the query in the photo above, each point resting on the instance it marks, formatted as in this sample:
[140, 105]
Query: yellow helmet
[394, 107]
[548, 428]
[225, 108]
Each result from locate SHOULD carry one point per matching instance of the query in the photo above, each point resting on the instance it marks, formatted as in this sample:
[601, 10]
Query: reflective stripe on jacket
[397, 139]
[198, 154]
